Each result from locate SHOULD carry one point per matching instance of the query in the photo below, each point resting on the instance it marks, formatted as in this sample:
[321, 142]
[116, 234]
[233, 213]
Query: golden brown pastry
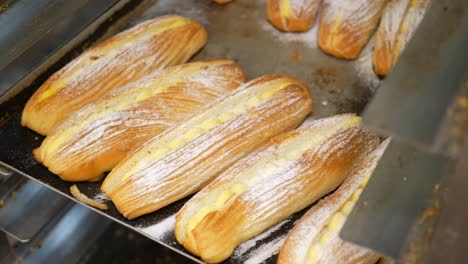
[282, 177]
[345, 26]
[85, 199]
[183, 159]
[314, 239]
[292, 15]
[400, 20]
[101, 134]
[126, 57]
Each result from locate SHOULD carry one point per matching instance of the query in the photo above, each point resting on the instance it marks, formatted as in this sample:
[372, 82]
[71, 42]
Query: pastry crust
[85, 199]
[283, 177]
[400, 20]
[101, 134]
[126, 57]
[183, 159]
[346, 26]
[314, 239]
[292, 15]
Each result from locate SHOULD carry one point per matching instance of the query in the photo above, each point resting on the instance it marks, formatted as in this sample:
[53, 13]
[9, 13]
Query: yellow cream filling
[285, 9]
[123, 103]
[403, 30]
[414, 3]
[339, 17]
[220, 201]
[155, 30]
[209, 124]
[266, 168]
[334, 224]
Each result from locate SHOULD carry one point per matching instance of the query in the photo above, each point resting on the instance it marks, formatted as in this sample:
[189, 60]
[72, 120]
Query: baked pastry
[126, 57]
[400, 20]
[101, 134]
[346, 26]
[183, 159]
[85, 199]
[282, 177]
[292, 15]
[314, 238]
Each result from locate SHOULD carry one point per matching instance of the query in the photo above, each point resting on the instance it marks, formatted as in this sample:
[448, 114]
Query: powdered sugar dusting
[311, 225]
[365, 68]
[249, 244]
[265, 251]
[308, 38]
[161, 229]
[101, 197]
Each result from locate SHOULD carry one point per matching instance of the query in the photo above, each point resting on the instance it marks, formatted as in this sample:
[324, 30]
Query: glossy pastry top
[98, 136]
[400, 20]
[183, 159]
[292, 15]
[126, 57]
[283, 177]
[346, 26]
[314, 239]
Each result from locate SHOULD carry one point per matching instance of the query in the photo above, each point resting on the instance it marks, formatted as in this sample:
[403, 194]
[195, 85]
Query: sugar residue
[308, 38]
[265, 251]
[365, 68]
[161, 229]
[249, 244]
[101, 197]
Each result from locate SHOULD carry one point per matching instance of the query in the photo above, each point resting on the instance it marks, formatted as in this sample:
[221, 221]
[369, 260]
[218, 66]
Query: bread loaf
[314, 238]
[183, 159]
[283, 177]
[346, 26]
[400, 20]
[124, 58]
[101, 134]
[292, 15]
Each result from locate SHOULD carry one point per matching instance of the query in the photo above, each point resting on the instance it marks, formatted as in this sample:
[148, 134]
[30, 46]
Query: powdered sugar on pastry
[162, 170]
[279, 179]
[346, 26]
[126, 57]
[314, 239]
[400, 19]
[292, 15]
[97, 137]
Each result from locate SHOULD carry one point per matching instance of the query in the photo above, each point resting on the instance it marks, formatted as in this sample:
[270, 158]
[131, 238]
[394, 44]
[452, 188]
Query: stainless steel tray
[236, 31]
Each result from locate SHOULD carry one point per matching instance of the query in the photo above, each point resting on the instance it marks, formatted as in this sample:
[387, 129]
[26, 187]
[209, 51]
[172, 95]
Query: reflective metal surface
[65, 239]
[35, 32]
[395, 198]
[413, 100]
[28, 208]
[413, 106]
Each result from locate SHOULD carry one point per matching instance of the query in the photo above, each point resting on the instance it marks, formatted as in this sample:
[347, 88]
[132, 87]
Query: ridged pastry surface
[126, 57]
[314, 239]
[96, 138]
[282, 177]
[183, 159]
[400, 20]
[345, 26]
[292, 15]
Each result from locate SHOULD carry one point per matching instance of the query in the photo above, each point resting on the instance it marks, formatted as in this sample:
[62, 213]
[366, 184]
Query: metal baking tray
[237, 31]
